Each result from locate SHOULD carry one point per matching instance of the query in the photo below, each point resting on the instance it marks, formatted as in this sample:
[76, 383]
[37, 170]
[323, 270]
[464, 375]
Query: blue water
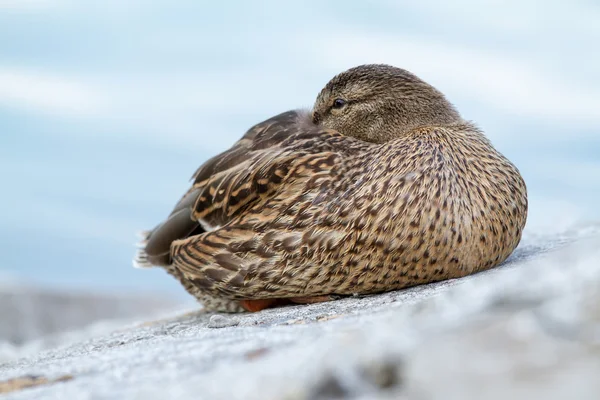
[107, 108]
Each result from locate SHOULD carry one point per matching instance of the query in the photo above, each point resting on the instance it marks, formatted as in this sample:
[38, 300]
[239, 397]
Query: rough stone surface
[34, 319]
[528, 329]
[221, 321]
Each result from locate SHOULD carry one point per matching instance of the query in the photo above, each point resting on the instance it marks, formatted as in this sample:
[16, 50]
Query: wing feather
[227, 184]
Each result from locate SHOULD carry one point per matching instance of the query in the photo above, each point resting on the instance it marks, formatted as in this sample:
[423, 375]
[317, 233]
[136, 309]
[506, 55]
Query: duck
[380, 187]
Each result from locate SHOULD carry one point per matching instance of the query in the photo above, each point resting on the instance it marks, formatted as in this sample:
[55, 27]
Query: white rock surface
[34, 319]
[529, 329]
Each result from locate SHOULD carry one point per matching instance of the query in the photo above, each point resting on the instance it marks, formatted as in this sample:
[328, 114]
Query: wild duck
[381, 186]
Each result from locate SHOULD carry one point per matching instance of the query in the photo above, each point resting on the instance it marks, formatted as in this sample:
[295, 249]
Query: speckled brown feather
[303, 211]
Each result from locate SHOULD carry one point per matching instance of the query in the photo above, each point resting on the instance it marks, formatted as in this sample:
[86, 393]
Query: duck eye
[339, 103]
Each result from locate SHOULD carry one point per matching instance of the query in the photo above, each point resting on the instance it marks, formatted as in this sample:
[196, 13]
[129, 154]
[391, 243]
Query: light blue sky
[107, 107]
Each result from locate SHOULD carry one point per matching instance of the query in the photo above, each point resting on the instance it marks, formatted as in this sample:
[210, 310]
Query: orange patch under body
[258, 305]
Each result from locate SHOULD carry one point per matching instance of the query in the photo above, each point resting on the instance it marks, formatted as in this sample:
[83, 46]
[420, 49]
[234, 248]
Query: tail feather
[154, 247]
[141, 257]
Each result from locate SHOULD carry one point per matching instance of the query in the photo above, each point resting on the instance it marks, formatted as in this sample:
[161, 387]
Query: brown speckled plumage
[388, 189]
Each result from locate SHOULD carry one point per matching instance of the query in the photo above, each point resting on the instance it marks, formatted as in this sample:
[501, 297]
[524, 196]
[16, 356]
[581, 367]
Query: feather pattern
[295, 210]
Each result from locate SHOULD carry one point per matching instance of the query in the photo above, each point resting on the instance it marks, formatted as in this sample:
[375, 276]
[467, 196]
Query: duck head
[378, 103]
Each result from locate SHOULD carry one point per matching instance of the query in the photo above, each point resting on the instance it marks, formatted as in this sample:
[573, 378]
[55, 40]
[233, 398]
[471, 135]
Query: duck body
[297, 211]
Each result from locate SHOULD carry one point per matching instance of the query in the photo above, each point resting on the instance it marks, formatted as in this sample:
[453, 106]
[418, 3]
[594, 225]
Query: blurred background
[107, 107]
